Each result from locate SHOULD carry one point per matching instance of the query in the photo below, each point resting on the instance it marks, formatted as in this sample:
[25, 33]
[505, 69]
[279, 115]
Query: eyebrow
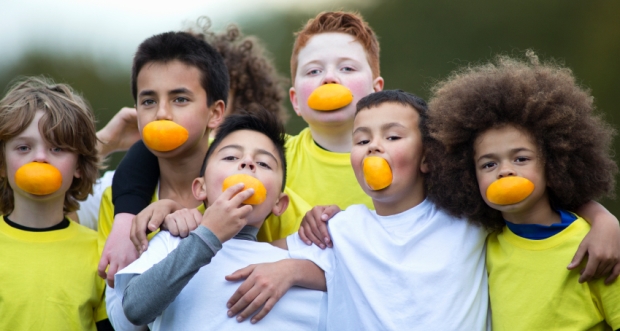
[258, 151]
[180, 90]
[384, 127]
[512, 151]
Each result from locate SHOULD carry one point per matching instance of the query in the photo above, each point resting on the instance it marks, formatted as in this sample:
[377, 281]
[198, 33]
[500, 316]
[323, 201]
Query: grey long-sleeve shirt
[142, 304]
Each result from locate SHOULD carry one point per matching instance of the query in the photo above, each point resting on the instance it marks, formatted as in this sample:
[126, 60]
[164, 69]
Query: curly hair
[254, 81]
[68, 123]
[543, 99]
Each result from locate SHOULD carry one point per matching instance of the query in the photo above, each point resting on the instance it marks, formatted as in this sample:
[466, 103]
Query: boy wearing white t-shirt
[179, 284]
[405, 266]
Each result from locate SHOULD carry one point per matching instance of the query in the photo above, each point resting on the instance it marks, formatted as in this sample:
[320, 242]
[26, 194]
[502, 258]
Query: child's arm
[314, 226]
[602, 244]
[120, 133]
[266, 283]
[221, 221]
[119, 251]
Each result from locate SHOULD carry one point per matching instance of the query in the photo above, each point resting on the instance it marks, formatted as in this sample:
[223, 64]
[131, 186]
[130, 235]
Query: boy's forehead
[169, 75]
[386, 112]
[331, 43]
[249, 140]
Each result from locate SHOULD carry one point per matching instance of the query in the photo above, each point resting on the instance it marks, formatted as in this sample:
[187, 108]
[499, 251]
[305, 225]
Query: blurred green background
[421, 42]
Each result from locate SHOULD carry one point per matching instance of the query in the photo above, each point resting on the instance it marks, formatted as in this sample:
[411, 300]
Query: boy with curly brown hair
[48, 162]
[525, 136]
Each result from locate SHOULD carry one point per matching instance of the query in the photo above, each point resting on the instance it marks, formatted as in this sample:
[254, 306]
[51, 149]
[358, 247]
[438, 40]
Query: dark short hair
[401, 97]
[191, 50]
[261, 121]
[543, 100]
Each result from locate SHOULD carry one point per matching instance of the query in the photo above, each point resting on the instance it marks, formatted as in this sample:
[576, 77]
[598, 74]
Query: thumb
[240, 274]
[329, 212]
[103, 264]
[578, 258]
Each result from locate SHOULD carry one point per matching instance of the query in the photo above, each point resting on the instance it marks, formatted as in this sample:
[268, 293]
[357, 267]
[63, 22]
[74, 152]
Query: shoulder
[357, 213]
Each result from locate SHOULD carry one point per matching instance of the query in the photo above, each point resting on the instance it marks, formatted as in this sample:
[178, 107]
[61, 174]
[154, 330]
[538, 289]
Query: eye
[230, 158]
[488, 165]
[347, 69]
[181, 100]
[263, 164]
[393, 138]
[147, 102]
[22, 148]
[56, 149]
[314, 72]
[521, 159]
[362, 142]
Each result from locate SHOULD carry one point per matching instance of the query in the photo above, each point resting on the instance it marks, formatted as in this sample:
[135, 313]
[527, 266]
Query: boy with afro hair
[525, 136]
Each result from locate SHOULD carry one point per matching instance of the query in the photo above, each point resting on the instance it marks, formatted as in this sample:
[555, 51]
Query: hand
[602, 246]
[182, 222]
[118, 251]
[227, 215]
[314, 226]
[149, 220]
[120, 133]
[264, 285]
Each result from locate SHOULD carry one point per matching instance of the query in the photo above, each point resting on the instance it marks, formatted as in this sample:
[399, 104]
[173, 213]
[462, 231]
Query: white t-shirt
[418, 270]
[89, 208]
[201, 305]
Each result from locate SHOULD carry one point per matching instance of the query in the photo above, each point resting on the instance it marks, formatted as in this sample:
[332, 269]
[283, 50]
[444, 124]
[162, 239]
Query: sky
[110, 30]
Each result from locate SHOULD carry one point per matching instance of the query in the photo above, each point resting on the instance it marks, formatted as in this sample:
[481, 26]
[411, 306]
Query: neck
[540, 213]
[38, 213]
[397, 204]
[176, 177]
[336, 138]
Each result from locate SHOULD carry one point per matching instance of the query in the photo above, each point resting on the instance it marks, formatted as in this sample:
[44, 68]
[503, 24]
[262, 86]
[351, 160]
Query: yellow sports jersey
[48, 280]
[531, 289]
[314, 177]
[106, 217]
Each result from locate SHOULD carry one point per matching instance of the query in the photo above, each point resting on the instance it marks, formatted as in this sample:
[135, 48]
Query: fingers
[111, 272]
[239, 198]
[103, 264]
[588, 273]
[138, 231]
[329, 212]
[170, 224]
[253, 307]
[578, 258]
[263, 312]
[614, 275]
[241, 298]
[302, 235]
[239, 275]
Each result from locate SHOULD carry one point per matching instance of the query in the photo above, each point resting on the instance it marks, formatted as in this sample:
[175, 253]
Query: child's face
[508, 151]
[332, 58]
[391, 131]
[172, 91]
[251, 153]
[31, 146]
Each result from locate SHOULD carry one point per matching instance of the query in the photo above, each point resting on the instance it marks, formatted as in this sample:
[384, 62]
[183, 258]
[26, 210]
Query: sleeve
[141, 304]
[89, 208]
[135, 180]
[609, 301]
[324, 258]
[115, 312]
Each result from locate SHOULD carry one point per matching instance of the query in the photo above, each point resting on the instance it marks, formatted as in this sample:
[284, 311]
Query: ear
[199, 189]
[293, 96]
[281, 204]
[423, 164]
[377, 84]
[216, 115]
[77, 173]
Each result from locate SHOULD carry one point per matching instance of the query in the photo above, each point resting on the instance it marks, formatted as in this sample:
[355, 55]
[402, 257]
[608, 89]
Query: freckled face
[332, 58]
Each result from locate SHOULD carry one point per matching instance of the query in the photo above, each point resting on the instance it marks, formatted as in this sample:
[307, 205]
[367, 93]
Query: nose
[506, 170]
[374, 147]
[247, 164]
[40, 154]
[330, 77]
[163, 111]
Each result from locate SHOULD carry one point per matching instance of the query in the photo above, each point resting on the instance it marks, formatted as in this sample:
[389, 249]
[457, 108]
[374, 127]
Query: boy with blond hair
[48, 163]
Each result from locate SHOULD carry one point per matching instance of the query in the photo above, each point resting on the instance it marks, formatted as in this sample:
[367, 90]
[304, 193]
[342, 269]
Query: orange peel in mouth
[509, 190]
[38, 178]
[260, 192]
[164, 136]
[330, 97]
[377, 173]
